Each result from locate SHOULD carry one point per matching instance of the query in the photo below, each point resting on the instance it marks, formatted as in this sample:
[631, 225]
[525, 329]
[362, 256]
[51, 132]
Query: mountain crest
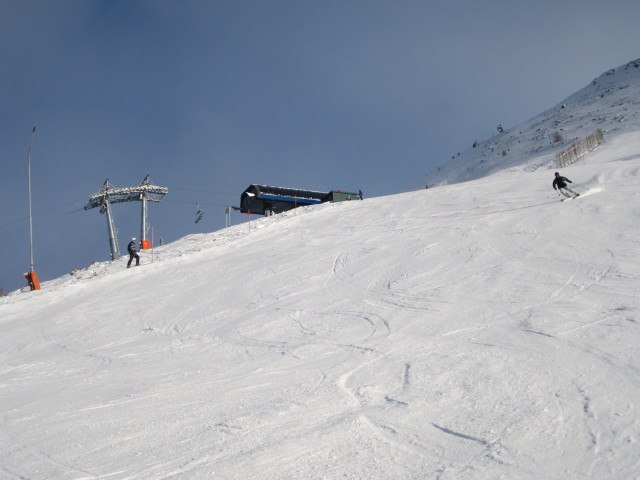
[609, 103]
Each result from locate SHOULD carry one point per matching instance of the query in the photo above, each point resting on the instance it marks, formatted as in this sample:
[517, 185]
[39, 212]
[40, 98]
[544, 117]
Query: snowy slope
[479, 330]
[611, 103]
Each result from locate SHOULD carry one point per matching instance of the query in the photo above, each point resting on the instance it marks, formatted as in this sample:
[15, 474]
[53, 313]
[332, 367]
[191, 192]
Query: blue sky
[211, 96]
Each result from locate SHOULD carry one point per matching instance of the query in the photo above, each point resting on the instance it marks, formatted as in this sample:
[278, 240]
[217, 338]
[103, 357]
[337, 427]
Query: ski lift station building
[266, 200]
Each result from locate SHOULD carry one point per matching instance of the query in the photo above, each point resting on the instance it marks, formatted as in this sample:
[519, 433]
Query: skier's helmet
[557, 174]
[133, 239]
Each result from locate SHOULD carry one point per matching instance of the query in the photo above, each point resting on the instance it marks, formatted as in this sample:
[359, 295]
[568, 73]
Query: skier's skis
[569, 198]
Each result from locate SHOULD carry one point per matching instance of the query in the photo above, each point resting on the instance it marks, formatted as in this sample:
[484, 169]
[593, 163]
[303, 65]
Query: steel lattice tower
[107, 195]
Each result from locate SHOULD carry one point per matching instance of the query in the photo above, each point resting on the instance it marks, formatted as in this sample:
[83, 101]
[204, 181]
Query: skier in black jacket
[560, 182]
[133, 252]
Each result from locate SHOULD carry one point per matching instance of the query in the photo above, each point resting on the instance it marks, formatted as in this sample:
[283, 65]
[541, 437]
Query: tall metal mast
[31, 276]
[144, 242]
[103, 200]
[33, 134]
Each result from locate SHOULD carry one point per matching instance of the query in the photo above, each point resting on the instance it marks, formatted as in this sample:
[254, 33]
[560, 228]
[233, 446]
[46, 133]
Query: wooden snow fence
[579, 148]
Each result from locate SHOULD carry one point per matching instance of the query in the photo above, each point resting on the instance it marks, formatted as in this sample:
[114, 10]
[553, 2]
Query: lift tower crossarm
[152, 193]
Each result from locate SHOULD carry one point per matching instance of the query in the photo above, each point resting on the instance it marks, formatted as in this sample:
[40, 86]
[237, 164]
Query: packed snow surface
[480, 330]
